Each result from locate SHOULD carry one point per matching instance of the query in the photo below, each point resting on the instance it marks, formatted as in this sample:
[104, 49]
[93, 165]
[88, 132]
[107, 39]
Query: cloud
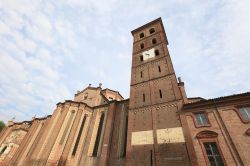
[31, 82]
[210, 50]
[49, 50]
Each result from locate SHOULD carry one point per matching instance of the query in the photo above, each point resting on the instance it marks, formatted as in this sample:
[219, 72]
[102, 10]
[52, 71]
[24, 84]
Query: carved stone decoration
[248, 132]
[207, 134]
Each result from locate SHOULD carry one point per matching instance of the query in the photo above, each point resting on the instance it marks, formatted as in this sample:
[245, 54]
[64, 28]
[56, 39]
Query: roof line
[218, 100]
[113, 91]
[151, 22]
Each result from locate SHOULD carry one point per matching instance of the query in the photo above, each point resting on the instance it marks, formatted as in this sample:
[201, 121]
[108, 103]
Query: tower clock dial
[148, 54]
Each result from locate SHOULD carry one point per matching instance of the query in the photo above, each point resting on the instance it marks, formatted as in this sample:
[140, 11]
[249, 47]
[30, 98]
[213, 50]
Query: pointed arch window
[98, 136]
[79, 136]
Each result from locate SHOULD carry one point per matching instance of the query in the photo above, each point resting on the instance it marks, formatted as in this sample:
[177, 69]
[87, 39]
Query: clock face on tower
[148, 54]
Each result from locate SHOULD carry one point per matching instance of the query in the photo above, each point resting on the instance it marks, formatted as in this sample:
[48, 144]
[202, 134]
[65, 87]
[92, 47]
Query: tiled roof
[229, 96]
[216, 100]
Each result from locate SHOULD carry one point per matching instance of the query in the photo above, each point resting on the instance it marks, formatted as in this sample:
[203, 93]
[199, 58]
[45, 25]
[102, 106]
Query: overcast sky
[51, 49]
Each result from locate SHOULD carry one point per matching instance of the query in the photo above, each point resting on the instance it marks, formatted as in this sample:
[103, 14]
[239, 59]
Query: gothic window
[79, 135]
[143, 96]
[154, 41]
[141, 58]
[142, 45]
[152, 30]
[160, 93]
[244, 113]
[201, 119]
[98, 136]
[141, 35]
[157, 52]
[159, 68]
[213, 154]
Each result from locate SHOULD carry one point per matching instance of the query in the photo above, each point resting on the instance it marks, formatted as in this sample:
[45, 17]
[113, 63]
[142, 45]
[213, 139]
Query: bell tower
[155, 135]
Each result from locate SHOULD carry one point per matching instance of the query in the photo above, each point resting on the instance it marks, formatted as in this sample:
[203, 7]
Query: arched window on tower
[154, 41]
[157, 52]
[152, 30]
[141, 35]
[142, 45]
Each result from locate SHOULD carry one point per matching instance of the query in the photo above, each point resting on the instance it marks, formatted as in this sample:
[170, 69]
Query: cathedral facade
[157, 126]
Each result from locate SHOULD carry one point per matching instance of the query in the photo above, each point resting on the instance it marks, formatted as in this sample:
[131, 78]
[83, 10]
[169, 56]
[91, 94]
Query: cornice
[220, 101]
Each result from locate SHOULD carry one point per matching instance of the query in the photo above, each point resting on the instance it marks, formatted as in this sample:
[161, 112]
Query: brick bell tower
[155, 136]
